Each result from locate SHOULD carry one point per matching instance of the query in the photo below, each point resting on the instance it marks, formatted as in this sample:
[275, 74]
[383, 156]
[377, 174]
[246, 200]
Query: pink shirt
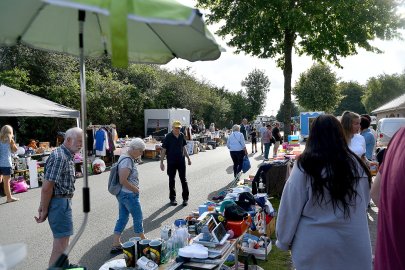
[266, 136]
[390, 248]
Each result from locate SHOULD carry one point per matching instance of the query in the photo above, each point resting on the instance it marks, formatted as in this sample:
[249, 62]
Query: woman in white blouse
[351, 128]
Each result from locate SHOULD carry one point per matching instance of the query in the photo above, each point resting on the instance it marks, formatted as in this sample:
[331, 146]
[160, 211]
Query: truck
[306, 119]
[158, 122]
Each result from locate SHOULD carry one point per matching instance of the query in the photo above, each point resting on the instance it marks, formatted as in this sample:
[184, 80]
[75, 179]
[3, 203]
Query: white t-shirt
[358, 145]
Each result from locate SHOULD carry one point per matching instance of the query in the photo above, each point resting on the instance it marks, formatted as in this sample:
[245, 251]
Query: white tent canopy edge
[15, 103]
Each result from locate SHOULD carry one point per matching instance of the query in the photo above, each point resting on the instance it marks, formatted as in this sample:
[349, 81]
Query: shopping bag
[18, 185]
[245, 164]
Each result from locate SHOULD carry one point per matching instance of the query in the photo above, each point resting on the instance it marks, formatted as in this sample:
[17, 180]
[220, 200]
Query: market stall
[15, 103]
[214, 234]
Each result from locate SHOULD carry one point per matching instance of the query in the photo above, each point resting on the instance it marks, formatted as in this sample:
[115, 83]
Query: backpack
[114, 186]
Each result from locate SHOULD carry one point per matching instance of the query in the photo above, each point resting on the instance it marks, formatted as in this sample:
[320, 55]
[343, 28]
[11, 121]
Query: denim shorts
[60, 217]
[128, 203]
[5, 170]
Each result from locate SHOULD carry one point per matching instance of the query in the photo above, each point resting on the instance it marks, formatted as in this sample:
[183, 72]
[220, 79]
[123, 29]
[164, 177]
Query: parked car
[386, 128]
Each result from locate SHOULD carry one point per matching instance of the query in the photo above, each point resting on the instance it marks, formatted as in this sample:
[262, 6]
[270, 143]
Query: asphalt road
[210, 172]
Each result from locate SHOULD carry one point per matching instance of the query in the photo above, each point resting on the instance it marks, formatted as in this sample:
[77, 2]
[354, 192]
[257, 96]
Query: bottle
[261, 187]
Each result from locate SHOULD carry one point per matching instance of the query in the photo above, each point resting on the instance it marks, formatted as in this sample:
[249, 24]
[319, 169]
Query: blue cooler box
[293, 138]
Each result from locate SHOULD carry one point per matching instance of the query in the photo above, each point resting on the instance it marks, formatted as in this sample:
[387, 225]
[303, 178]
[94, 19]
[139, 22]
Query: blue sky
[230, 69]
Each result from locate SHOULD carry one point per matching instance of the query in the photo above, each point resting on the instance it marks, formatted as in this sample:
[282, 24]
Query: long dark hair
[331, 165]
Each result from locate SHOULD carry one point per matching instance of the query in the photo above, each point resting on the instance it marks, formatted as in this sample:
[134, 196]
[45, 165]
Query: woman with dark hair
[323, 211]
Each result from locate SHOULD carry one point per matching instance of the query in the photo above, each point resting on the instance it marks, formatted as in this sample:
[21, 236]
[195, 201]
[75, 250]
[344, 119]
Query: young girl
[7, 146]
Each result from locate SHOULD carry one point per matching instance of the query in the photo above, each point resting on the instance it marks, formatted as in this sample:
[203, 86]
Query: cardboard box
[45, 145]
[150, 153]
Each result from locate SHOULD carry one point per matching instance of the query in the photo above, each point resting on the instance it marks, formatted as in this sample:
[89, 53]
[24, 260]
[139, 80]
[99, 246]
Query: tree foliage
[382, 89]
[351, 93]
[114, 95]
[316, 89]
[325, 30]
[257, 85]
[295, 111]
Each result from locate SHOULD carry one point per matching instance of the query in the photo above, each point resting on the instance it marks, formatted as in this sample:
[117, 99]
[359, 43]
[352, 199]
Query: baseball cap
[176, 124]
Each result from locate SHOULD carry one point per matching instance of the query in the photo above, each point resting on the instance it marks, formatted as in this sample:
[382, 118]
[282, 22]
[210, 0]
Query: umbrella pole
[63, 258]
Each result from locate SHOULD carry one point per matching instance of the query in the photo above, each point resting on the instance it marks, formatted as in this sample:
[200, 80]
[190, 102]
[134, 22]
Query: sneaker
[185, 202]
[116, 250]
[266, 159]
[173, 202]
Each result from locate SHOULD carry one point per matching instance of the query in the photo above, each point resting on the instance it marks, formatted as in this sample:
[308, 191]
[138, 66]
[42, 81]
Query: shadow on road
[151, 223]
[229, 170]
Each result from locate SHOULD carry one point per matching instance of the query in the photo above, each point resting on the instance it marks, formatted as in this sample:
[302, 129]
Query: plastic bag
[246, 164]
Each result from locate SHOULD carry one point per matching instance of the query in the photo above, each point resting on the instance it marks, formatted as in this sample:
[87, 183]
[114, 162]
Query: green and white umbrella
[138, 31]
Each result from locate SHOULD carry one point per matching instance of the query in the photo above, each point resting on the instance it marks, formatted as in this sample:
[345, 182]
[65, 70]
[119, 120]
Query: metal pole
[63, 258]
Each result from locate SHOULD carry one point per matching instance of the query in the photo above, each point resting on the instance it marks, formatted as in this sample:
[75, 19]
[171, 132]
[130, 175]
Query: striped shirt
[60, 169]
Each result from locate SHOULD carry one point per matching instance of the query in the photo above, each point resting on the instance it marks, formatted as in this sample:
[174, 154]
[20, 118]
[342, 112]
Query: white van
[386, 128]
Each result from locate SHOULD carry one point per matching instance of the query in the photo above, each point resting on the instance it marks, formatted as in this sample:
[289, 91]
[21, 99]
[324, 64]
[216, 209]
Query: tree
[351, 93]
[257, 86]
[295, 111]
[382, 89]
[15, 78]
[316, 89]
[325, 30]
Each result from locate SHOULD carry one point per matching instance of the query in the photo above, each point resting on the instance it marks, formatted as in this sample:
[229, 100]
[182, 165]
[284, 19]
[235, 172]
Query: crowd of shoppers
[323, 206]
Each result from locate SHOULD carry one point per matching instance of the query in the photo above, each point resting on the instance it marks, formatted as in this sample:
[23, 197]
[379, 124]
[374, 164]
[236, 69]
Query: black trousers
[237, 158]
[171, 172]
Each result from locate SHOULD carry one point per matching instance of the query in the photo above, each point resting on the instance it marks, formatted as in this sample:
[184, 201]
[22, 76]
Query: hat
[176, 124]
[234, 212]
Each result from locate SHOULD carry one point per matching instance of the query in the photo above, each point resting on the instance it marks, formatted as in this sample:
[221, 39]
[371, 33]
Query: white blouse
[358, 145]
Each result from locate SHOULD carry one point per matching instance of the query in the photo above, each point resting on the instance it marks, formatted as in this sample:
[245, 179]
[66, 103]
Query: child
[253, 136]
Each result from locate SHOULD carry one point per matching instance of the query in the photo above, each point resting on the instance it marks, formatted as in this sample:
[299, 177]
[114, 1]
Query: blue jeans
[266, 150]
[128, 203]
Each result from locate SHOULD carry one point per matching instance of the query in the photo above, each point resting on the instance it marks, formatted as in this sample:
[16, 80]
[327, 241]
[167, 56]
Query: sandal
[116, 249]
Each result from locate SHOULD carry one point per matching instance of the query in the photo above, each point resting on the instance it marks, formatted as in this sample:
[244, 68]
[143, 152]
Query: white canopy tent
[15, 103]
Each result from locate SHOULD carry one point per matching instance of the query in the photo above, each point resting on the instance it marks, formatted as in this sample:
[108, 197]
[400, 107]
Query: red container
[239, 227]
